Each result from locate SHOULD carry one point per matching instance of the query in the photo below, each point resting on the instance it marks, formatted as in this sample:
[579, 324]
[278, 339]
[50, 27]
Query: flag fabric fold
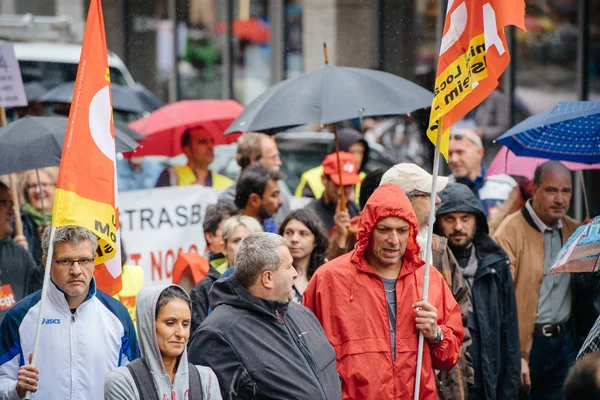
[473, 55]
[86, 189]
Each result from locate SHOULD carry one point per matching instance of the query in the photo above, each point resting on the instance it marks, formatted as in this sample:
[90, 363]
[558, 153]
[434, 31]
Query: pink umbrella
[506, 162]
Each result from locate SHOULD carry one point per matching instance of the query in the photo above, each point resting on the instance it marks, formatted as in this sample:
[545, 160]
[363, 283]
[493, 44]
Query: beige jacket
[524, 246]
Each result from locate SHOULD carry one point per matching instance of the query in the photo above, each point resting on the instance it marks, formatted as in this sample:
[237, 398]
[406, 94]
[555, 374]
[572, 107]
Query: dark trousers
[549, 363]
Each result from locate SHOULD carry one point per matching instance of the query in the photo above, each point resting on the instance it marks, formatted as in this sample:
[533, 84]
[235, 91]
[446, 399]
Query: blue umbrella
[568, 132]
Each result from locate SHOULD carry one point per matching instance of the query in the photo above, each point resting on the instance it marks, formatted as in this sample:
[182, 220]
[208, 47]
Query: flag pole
[428, 251]
[44, 296]
[336, 146]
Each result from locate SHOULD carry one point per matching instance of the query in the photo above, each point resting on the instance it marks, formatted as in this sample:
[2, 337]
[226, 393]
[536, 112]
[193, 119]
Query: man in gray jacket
[260, 344]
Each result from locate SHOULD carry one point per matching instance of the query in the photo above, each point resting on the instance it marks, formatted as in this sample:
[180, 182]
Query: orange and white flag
[473, 55]
[86, 190]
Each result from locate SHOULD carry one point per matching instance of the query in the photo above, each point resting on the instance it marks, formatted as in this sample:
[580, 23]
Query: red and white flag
[86, 190]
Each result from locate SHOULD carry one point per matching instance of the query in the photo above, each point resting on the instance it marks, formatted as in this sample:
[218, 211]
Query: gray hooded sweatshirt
[119, 384]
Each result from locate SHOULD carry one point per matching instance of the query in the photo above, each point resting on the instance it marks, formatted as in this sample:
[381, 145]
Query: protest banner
[157, 224]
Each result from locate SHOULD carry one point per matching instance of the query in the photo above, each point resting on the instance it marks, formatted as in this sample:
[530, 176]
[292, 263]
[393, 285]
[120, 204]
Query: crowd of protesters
[321, 302]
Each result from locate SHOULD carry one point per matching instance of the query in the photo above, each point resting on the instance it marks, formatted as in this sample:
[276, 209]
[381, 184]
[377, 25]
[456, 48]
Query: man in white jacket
[85, 333]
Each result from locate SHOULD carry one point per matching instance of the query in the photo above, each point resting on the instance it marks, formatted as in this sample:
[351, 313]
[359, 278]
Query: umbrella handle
[339, 168]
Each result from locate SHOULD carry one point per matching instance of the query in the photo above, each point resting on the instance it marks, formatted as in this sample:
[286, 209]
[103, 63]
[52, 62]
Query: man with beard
[492, 318]
[257, 195]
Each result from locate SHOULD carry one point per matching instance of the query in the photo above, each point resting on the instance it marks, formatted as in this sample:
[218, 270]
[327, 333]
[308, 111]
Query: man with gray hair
[84, 334]
[256, 340]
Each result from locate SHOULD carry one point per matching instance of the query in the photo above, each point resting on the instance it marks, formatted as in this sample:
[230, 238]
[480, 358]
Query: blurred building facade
[238, 48]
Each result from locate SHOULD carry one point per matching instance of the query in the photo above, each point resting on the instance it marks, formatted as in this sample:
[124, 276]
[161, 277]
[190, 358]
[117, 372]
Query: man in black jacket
[261, 345]
[19, 274]
[492, 310]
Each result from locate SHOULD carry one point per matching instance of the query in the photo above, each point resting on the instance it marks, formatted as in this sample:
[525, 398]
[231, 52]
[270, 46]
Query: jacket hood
[230, 291]
[147, 299]
[457, 197]
[347, 137]
[387, 201]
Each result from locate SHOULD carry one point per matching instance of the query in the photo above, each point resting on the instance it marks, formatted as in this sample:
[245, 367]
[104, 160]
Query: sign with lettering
[159, 223]
[12, 92]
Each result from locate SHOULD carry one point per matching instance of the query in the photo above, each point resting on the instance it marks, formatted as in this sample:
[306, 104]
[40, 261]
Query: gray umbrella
[133, 134]
[331, 94]
[34, 91]
[124, 98]
[37, 142]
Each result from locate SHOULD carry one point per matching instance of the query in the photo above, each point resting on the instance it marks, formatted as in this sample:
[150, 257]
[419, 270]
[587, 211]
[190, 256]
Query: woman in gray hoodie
[163, 326]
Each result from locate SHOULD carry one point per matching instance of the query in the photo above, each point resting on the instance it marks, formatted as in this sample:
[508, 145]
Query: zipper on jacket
[279, 318]
[71, 342]
[309, 359]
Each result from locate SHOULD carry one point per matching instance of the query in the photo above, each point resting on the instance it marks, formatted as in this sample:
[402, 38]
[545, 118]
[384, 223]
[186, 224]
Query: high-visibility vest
[132, 280]
[185, 176]
[312, 178]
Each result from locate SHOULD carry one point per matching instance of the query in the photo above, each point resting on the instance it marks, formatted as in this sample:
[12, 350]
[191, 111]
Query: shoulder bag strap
[195, 392]
[143, 379]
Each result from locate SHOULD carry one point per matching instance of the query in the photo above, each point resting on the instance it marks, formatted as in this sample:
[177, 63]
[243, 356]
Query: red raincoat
[348, 298]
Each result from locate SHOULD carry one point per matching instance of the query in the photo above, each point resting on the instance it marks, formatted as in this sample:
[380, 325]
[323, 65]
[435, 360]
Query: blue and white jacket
[76, 350]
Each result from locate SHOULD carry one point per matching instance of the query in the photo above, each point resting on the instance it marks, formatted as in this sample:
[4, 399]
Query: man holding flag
[82, 333]
[473, 55]
[85, 332]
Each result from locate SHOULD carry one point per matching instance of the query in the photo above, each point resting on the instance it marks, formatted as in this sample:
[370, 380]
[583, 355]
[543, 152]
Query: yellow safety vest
[186, 176]
[312, 178]
[132, 280]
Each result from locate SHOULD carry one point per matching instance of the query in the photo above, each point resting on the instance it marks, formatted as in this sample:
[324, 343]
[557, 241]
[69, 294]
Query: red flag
[86, 190]
[473, 55]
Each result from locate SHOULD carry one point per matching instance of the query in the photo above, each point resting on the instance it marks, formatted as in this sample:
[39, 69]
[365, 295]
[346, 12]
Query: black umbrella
[328, 95]
[37, 142]
[124, 98]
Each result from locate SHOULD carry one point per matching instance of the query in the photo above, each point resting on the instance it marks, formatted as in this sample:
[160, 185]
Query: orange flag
[473, 55]
[86, 190]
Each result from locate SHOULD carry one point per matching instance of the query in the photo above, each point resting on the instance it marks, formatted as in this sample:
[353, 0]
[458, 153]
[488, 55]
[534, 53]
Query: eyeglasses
[7, 203]
[83, 262]
[35, 186]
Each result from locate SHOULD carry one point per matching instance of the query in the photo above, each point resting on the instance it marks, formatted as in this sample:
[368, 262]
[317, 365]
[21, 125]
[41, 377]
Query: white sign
[157, 224]
[12, 92]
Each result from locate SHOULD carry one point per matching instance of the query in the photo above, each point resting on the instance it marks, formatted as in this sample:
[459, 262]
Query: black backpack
[145, 384]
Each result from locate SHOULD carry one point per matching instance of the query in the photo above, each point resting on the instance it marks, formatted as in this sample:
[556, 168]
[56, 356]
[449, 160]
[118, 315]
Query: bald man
[532, 238]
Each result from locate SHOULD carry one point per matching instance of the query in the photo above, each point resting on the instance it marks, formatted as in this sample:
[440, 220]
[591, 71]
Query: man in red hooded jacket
[368, 302]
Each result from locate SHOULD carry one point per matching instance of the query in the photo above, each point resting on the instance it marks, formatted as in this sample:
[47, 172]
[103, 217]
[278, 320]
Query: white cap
[410, 177]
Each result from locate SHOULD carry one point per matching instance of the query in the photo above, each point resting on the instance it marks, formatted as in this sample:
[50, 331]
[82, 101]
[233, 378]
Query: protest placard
[12, 92]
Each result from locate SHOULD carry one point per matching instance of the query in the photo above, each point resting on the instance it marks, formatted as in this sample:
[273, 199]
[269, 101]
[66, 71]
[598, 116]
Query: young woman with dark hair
[308, 246]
